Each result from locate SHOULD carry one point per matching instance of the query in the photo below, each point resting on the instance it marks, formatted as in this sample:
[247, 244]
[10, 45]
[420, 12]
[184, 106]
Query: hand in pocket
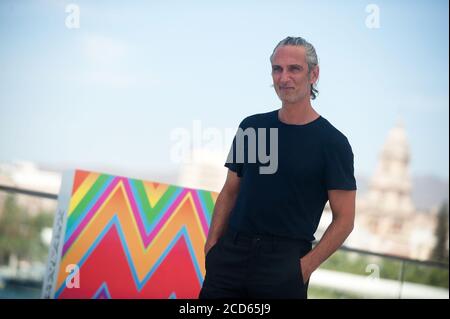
[303, 271]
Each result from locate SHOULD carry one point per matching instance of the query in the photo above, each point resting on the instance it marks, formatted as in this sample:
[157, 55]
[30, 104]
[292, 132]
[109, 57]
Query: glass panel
[25, 234]
[357, 275]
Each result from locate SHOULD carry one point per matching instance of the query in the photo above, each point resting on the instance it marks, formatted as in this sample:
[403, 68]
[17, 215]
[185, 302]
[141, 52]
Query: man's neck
[298, 113]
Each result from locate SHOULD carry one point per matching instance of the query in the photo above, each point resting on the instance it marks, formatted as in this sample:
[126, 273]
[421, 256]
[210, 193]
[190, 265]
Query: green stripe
[142, 197]
[152, 213]
[208, 201]
[84, 203]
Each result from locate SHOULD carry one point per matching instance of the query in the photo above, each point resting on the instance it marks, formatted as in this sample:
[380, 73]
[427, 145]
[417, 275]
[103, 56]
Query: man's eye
[276, 70]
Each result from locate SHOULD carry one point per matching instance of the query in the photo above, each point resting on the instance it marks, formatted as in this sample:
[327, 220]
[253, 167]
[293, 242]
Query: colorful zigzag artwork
[128, 238]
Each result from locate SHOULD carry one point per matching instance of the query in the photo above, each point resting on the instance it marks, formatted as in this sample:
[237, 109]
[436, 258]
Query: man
[260, 239]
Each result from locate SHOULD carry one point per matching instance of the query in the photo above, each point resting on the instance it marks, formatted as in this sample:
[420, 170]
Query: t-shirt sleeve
[339, 170]
[232, 163]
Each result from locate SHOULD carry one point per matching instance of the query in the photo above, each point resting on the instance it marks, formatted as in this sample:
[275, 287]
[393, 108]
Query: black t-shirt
[312, 159]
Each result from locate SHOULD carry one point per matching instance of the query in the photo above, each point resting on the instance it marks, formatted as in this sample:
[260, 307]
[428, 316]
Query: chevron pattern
[134, 239]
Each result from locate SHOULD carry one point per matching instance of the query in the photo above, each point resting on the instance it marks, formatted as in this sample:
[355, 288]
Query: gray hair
[311, 57]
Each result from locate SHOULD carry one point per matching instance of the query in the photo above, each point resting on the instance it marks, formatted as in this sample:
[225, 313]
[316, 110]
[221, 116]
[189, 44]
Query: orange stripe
[80, 176]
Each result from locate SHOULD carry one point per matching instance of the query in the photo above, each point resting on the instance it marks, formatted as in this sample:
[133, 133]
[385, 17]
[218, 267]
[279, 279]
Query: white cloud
[110, 79]
[104, 51]
[419, 103]
[108, 63]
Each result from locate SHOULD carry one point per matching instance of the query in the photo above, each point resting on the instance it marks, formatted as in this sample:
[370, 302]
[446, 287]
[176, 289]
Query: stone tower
[390, 187]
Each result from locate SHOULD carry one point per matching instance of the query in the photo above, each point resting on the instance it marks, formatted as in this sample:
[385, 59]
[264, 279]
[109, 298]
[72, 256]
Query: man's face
[290, 74]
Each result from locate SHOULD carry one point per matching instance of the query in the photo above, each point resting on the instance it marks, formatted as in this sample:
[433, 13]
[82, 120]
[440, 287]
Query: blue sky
[111, 92]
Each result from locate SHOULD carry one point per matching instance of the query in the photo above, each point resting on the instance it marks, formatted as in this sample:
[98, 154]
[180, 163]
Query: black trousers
[260, 267]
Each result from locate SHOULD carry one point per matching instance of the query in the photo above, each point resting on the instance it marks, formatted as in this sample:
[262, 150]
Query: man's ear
[314, 75]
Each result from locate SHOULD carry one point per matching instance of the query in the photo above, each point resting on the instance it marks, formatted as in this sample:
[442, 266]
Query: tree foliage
[20, 233]
[440, 251]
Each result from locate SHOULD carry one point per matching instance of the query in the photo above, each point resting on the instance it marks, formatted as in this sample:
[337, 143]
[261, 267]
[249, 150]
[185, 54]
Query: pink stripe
[134, 208]
[147, 238]
[166, 216]
[200, 212]
[89, 216]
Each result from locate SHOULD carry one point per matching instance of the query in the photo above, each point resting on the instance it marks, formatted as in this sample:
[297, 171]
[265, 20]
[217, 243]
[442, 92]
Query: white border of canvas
[59, 229]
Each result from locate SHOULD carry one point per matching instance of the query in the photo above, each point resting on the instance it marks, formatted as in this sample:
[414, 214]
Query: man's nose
[284, 77]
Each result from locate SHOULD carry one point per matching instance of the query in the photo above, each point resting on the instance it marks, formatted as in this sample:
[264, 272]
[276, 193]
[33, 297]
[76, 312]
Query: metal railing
[15, 190]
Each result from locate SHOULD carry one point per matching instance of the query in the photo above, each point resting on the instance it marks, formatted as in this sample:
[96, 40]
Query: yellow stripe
[82, 191]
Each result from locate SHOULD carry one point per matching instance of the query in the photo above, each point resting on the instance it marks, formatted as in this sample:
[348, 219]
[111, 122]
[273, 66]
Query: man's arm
[222, 209]
[342, 205]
